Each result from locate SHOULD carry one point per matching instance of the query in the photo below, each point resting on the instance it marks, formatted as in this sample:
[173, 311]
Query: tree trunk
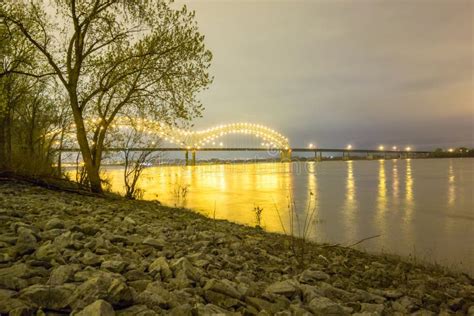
[91, 168]
[3, 152]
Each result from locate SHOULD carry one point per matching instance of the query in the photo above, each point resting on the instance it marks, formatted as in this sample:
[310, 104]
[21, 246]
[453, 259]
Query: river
[422, 208]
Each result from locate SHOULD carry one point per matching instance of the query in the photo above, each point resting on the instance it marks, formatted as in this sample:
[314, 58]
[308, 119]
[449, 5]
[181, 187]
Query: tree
[116, 57]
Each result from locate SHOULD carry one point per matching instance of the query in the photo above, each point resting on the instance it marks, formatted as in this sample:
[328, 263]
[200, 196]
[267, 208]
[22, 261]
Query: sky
[338, 72]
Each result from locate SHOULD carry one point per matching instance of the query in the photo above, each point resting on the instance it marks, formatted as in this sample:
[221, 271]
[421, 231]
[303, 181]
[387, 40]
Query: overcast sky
[336, 72]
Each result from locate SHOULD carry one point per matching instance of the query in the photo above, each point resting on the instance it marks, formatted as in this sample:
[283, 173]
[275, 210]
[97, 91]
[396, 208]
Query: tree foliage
[115, 57]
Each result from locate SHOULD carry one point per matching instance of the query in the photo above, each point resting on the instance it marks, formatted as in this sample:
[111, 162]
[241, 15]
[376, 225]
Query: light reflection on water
[420, 207]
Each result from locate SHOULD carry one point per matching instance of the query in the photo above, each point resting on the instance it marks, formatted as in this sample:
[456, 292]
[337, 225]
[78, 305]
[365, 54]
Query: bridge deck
[312, 150]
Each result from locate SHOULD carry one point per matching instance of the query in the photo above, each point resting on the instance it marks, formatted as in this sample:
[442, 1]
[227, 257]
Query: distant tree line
[67, 63]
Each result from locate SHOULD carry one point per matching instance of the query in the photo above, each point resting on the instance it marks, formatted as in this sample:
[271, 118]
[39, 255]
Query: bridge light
[311, 146]
[349, 147]
[221, 144]
[408, 148]
[381, 147]
[450, 150]
[394, 147]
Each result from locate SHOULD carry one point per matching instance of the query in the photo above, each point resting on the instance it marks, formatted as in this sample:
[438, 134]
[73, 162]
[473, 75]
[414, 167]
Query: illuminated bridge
[209, 140]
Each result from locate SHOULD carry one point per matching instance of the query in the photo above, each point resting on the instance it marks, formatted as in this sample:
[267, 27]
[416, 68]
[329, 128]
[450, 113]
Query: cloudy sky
[331, 72]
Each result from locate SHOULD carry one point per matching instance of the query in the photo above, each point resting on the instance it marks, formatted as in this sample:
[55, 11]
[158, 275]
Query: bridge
[208, 140]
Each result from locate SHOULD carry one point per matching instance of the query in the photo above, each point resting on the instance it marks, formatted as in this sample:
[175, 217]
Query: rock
[26, 242]
[136, 310]
[51, 297]
[90, 259]
[98, 308]
[12, 283]
[106, 287]
[155, 243]
[62, 274]
[224, 286]
[54, 223]
[311, 277]
[325, 306]
[261, 304]
[129, 220]
[47, 252]
[14, 306]
[184, 268]
[374, 309]
[286, 288]
[470, 311]
[209, 309]
[157, 298]
[160, 266]
[221, 300]
[5, 257]
[114, 265]
[392, 294]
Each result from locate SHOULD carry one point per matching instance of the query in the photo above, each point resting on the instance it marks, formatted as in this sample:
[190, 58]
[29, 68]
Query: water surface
[422, 208]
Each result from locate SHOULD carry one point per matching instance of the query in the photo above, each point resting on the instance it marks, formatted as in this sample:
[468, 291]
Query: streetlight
[450, 150]
[408, 148]
[349, 147]
[311, 146]
[394, 147]
[381, 147]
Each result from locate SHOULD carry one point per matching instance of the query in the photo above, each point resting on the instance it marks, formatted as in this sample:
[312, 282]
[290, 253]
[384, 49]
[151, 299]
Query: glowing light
[408, 148]
[221, 144]
[349, 147]
[394, 147]
[311, 146]
[381, 147]
[450, 150]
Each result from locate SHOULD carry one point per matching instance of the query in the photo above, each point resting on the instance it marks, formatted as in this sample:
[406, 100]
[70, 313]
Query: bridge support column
[318, 155]
[285, 155]
[346, 155]
[186, 157]
[370, 156]
[193, 161]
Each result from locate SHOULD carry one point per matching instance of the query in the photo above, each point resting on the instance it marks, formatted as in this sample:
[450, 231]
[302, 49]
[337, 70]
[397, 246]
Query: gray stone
[325, 306]
[47, 252]
[98, 308]
[62, 274]
[54, 223]
[52, 297]
[224, 286]
[160, 266]
[90, 259]
[106, 287]
[184, 268]
[136, 310]
[311, 277]
[286, 288]
[114, 265]
[158, 244]
[26, 242]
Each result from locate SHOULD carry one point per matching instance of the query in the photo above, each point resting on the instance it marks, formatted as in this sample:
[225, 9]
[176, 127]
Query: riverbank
[64, 252]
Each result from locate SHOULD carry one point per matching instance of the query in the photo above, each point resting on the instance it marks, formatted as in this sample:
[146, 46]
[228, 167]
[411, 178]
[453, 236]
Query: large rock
[116, 266]
[14, 306]
[48, 252]
[90, 259]
[286, 288]
[26, 242]
[160, 266]
[98, 308]
[51, 297]
[158, 244]
[182, 267]
[224, 286]
[324, 306]
[54, 223]
[63, 274]
[105, 287]
[312, 277]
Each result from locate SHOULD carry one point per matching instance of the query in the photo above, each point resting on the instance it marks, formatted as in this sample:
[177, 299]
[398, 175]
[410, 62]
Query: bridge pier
[318, 155]
[285, 155]
[346, 155]
[193, 161]
[186, 157]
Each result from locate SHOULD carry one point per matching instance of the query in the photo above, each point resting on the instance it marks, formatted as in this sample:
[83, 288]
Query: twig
[362, 240]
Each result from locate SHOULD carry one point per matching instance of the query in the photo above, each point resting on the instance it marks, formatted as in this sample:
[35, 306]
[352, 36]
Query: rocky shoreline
[65, 253]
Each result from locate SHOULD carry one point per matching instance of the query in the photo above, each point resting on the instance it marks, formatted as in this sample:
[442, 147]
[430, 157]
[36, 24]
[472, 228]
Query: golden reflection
[381, 194]
[312, 200]
[350, 204]
[451, 185]
[395, 180]
[232, 190]
[409, 203]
